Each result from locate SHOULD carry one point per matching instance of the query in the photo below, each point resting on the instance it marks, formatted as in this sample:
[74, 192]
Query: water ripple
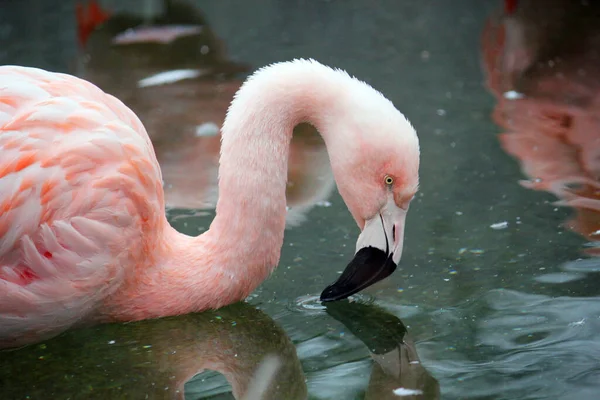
[310, 304]
[527, 346]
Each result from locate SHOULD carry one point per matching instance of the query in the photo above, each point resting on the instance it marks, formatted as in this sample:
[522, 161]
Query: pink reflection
[542, 66]
[175, 74]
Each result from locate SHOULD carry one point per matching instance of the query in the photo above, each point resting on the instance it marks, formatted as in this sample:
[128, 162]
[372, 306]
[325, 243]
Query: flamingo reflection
[541, 63]
[174, 72]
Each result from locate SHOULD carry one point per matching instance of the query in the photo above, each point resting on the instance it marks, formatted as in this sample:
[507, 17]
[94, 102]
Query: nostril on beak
[394, 233]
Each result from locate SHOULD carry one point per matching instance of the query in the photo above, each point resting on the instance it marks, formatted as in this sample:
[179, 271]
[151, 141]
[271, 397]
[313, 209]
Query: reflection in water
[155, 358]
[397, 370]
[174, 73]
[542, 64]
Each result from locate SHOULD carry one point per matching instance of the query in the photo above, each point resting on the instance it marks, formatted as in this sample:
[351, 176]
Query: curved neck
[243, 244]
[249, 225]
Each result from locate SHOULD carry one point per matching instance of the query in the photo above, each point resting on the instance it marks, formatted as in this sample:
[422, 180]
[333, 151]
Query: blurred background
[496, 296]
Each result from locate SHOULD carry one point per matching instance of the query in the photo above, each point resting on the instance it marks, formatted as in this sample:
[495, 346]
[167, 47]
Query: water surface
[496, 296]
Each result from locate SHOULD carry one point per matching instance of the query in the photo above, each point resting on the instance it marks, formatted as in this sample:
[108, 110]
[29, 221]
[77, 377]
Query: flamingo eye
[388, 180]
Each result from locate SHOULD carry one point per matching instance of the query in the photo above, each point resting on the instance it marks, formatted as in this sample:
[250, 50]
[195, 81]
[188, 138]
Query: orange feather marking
[18, 199]
[47, 187]
[6, 206]
[21, 163]
[12, 144]
[26, 183]
[25, 161]
[9, 101]
[49, 162]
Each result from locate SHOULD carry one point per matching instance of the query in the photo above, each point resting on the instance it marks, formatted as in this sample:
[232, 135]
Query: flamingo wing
[80, 193]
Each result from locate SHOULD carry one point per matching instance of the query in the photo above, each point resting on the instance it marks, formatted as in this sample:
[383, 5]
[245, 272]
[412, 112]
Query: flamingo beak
[378, 251]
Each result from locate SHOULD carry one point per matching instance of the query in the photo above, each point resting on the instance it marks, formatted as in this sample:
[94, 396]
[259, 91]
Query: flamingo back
[81, 201]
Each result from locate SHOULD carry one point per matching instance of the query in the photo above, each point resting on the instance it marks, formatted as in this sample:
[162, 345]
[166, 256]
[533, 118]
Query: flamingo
[83, 232]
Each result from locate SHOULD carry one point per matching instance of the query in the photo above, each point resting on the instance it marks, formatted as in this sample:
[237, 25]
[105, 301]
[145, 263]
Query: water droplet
[560, 277]
[513, 95]
[499, 225]
[207, 129]
[402, 392]
[578, 323]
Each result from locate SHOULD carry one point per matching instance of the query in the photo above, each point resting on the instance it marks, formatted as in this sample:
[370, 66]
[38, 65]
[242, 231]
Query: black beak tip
[369, 266]
[332, 293]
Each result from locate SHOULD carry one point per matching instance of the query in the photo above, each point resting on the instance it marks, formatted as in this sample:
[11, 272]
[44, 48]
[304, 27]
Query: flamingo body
[83, 231]
[80, 198]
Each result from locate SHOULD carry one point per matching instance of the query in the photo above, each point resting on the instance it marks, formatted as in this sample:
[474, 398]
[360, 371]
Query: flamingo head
[376, 167]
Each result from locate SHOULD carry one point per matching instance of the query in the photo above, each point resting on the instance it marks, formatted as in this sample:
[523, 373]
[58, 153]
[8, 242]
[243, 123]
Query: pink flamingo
[83, 232]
